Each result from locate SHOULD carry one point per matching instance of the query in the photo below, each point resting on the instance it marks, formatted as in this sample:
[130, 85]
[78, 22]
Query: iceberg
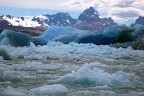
[19, 39]
[56, 33]
[119, 33]
[38, 41]
[97, 39]
[113, 31]
[138, 32]
[16, 38]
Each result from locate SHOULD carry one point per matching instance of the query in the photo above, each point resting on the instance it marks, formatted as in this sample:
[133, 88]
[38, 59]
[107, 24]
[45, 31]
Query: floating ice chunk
[85, 76]
[49, 89]
[32, 47]
[10, 76]
[7, 82]
[97, 76]
[136, 94]
[97, 64]
[34, 57]
[85, 71]
[67, 79]
[38, 41]
[120, 79]
[1, 58]
[111, 93]
[141, 65]
[53, 43]
[33, 63]
[80, 77]
[14, 92]
[4, 53]
[85, 93]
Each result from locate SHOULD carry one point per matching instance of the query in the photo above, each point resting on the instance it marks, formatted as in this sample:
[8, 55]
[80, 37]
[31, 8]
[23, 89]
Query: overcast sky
[119, 10]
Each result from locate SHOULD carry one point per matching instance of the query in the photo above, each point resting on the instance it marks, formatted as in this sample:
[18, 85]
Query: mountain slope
[90, 20]
[139, 21]
[59, 19]
[21, 24]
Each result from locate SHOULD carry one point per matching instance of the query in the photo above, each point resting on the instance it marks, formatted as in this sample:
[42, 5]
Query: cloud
[119, 10]
[124, 3]
[123, 14]
[77, 4]
[39, 4]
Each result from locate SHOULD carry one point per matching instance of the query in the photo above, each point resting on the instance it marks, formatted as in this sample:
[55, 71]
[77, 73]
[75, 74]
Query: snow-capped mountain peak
[25, 22]
[59, 19]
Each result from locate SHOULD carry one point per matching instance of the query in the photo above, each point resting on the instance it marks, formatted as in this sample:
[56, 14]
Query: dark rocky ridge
[59, 19]
[90, 20]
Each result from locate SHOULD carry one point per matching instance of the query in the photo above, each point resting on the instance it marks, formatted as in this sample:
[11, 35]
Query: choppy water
[27, 72]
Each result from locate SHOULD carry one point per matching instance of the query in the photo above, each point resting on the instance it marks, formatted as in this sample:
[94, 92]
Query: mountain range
[89, 19]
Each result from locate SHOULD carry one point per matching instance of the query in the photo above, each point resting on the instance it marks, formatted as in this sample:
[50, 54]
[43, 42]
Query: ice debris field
[58, 69]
